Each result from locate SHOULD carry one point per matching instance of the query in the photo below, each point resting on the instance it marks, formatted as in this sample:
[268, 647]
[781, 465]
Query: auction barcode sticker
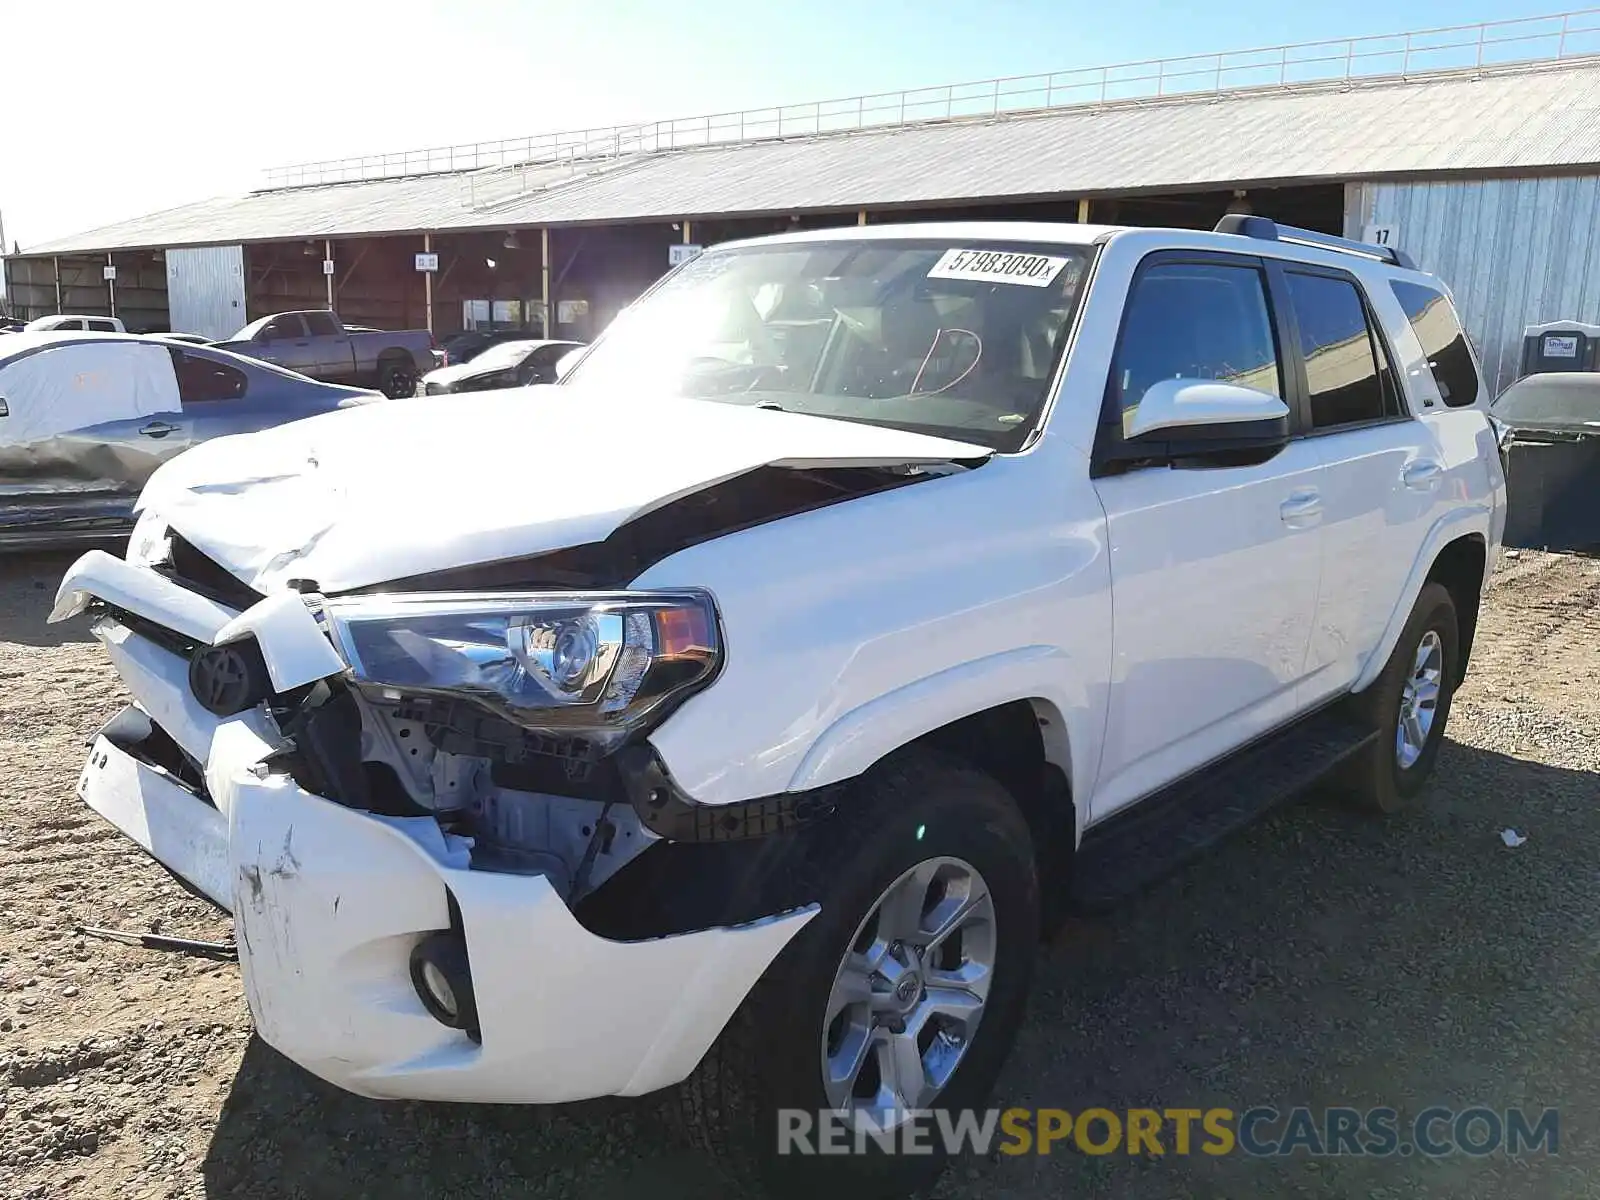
[998, 266]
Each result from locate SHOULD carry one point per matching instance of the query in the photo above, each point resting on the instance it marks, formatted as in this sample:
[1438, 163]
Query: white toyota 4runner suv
[736, 713]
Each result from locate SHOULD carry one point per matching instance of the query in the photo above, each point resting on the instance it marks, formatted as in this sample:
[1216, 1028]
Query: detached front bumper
[330, 901]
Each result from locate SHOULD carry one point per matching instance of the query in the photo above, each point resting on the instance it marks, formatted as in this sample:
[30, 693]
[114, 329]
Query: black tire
[1376, 778]
[914, 807]
[397, 380]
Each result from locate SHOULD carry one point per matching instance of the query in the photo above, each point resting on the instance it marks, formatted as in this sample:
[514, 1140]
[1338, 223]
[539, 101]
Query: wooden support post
[686, 236]
[544, 266]
[57, 261]
[427, 281]
[111, 284]
[327, 254]
[1083, 212]
[861, 217]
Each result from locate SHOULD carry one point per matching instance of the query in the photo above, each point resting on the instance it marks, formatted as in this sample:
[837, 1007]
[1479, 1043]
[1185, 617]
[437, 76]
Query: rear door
[1383, 470]
[83, 425]
[222, 397]
[1214, 564]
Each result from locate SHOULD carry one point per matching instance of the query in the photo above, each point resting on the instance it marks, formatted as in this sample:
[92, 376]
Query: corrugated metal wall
[205, 290]
[1515, 252]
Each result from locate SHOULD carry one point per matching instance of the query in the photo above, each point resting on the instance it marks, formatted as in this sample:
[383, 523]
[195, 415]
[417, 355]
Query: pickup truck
[741, 724]
[316, 343]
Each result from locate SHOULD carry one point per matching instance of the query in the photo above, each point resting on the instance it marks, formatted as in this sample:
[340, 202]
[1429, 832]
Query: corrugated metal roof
[1508, 120]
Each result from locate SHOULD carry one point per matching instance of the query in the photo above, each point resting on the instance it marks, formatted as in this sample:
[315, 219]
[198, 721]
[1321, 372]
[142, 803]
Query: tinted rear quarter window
[1434, 321]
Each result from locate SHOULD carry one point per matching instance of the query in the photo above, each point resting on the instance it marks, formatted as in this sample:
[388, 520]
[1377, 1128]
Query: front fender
[883, 724]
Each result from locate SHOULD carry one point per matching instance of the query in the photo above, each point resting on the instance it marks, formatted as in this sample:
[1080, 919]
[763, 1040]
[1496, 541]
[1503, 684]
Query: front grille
[191, 569]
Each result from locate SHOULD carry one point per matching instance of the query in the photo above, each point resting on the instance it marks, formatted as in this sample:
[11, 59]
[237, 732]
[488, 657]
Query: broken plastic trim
[666, 810]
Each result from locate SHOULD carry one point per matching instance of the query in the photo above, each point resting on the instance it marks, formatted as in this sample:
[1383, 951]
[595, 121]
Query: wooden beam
[544, 269]
[427, 281]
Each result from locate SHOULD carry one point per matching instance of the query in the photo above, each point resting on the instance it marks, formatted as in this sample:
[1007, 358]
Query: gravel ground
[1320, 958]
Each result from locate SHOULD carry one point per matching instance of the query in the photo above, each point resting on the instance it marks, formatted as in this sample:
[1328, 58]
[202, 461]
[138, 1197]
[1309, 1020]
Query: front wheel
[1409, 704]
[902, 996]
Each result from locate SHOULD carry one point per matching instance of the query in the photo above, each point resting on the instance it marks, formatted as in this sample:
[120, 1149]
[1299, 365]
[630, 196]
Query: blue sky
[177, 100]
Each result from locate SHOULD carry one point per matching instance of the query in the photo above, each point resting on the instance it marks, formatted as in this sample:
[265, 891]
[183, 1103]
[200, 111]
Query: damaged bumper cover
[329, 901]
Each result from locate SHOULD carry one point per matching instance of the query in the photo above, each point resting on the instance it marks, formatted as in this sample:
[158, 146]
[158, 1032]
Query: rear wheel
[397, 379]
[1409, 704]
[904, 992]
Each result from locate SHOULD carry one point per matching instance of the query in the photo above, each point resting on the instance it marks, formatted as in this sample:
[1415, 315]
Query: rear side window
[103, 326]
[203, 380]
[1343, 363]
[1434, 321]
[1195, 321]
[322, 324]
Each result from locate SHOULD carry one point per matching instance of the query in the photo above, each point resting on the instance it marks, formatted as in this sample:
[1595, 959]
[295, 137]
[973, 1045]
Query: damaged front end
[409, 802]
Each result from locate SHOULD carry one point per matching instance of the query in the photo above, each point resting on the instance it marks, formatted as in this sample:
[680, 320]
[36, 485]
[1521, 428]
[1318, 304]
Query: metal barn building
[1476, 149]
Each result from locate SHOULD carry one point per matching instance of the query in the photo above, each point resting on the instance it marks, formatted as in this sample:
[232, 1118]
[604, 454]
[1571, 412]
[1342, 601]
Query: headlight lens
[150, 542]
[597, 662]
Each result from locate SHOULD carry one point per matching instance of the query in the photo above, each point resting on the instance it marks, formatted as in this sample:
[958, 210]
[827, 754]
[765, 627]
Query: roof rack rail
[1265, 229]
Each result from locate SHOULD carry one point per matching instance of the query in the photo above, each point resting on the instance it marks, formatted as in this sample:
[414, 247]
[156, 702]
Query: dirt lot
[1321, 958]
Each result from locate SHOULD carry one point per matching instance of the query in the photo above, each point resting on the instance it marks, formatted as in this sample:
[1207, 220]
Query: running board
[1149, 839]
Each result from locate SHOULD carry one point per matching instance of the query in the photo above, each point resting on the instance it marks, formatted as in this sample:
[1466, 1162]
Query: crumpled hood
[386, 491]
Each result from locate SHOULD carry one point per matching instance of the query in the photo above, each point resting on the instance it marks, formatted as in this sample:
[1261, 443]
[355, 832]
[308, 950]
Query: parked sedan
[85, 419]
[466, 345]
[505, 365]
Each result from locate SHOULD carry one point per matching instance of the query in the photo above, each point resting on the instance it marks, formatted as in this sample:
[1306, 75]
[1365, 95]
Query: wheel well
[1020, 744]
[394, 356]
[1459, 567]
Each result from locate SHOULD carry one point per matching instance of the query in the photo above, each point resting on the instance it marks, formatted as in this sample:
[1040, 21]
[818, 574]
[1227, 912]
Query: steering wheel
[739, 377]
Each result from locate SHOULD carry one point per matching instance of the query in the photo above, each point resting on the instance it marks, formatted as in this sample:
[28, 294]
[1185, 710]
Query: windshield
[1569, 400]
[248, 333]
[503, 355]
[957, 340]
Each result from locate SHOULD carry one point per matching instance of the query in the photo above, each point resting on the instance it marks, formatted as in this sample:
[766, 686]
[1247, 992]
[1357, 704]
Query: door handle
[1422, 474]
[1301, 509]
[157, 429]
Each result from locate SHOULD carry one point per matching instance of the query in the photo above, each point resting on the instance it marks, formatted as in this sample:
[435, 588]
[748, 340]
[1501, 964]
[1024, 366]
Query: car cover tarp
[79, 385]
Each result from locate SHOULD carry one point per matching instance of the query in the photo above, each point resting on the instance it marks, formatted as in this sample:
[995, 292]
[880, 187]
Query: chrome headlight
[592, 662]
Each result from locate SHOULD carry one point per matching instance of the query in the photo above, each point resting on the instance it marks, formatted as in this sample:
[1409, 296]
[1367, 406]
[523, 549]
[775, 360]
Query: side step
[1144, 842]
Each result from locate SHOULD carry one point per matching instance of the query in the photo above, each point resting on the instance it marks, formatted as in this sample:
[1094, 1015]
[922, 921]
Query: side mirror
[1204, 408]
[567, 361]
